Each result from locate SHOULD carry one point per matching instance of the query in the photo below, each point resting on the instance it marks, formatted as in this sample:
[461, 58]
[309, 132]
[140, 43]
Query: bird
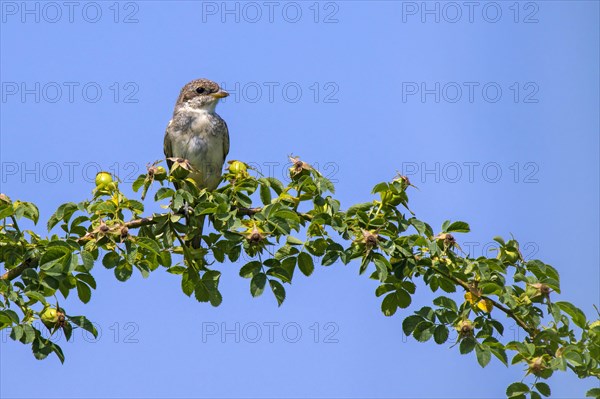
[196, 133]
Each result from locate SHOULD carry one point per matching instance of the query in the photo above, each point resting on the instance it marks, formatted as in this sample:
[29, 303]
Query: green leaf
[389, 305]
[6, 210]
[403, 298]
[544, 388]
[83, 292]
[28, 334]
[516, 389]
[574, 358]
[275, 184]
[445, 226]
[176, 270]
[132, 255]
[380, 187]
[164, 192]
[427, 313]
[446, 303]
[289, 265]
[483, 355]
[36, 296]
[576, 314]
[138, 183]
[84, 323]
[278, 290]
[41, 348]
[148, 243]
[593, 393]
[201, 292]
[499, 240]
[423, 331]
[281, 273]
[359, 207]
[88, 260]
[447, 285]
[16, 332]
[490, 289]
[50, 282]
[409, 286]
[257, 284]
[87, 278]
[111, 260]
[215, 298]
[330, 258]
[382, 289]
[135, 206]
[188, 281]
[284, 251]
[294, 241]
[27, 209]
[287, 215]
[418, 225]
[500, 354]
[272, 262]
[467, 344]
[234, 253]
[265, 194]
[409, 324]
[211, 275]
[123, 271]
[382, 265]
[552, 273]
[305, 263]
[54, 255]
[64, 212]
[250, 269]
[440, 334]
[9, 315]
[459, 227]
[317, 247]
[70, 263]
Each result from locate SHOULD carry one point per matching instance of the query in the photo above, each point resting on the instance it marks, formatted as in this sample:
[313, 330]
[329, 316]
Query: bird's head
[201, 94]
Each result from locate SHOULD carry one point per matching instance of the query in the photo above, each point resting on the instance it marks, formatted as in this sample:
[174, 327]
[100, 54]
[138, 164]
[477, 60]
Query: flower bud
[537, 365]
[255, 236]
[370, 239]
[465, 328]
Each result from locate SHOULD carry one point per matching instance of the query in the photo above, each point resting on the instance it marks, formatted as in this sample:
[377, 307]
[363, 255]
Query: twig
[15, 225]
[132, 224]
[507, 311]
[17, 271]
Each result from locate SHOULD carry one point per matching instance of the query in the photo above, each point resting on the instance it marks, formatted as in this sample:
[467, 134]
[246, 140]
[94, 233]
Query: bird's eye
[200, 90]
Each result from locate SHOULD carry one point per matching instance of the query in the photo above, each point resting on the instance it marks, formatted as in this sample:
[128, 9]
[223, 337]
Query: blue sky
[492, 111]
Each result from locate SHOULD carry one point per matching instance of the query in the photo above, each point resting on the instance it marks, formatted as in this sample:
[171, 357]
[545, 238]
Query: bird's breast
[194, 136]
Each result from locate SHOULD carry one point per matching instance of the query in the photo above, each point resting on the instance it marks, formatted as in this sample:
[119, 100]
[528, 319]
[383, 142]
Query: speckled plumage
[197, 133]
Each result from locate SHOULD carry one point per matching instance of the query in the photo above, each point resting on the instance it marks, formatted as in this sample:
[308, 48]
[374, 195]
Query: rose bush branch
[265, 219]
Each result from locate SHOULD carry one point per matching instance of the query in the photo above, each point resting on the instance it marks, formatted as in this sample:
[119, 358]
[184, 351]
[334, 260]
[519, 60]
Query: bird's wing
[225, 140]
[167, 146]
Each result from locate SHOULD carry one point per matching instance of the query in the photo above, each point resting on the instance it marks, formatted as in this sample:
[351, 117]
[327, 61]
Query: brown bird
[198, 134]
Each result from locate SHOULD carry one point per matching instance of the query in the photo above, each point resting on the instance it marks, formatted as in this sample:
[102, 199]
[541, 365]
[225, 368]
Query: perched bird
[199, 135]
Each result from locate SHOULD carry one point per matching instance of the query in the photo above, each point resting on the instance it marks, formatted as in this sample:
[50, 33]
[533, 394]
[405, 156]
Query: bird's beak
[220, 94]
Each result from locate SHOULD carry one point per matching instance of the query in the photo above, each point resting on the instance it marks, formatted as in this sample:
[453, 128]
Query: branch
[132, 224]
[137, 223]
[507, 311]
[17, 271]
[248, 211]
[32, 262]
